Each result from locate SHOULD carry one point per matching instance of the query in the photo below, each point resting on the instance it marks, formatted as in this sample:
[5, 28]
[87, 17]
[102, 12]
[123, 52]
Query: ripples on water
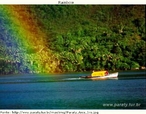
[31, 78]
[67, 91]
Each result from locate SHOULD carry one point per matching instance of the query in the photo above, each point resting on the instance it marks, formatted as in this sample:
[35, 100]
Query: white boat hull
[110, 76]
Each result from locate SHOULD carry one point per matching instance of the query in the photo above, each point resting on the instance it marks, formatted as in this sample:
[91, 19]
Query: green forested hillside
[87, 37]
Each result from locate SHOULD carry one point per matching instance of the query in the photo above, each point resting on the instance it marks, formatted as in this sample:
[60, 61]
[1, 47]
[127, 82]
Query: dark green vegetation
[86, 37]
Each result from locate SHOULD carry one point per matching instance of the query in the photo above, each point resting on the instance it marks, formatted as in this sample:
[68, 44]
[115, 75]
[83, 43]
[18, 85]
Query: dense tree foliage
[87, 37]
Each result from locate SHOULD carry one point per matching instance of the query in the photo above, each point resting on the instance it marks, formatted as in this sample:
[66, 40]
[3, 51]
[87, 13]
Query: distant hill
[75, 38]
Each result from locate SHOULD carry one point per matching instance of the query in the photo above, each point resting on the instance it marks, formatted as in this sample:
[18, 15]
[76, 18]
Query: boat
[101, 75]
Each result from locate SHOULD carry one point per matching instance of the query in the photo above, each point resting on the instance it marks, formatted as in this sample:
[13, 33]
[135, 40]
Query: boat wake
[71, 79]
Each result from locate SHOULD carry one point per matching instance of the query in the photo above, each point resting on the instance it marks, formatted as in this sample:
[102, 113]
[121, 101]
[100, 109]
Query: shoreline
[135, 70]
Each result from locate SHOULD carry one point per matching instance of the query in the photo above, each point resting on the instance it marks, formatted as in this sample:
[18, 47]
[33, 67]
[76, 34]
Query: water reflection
[44, 78]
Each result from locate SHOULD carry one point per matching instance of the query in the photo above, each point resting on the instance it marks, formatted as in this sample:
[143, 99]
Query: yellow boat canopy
[99, 73]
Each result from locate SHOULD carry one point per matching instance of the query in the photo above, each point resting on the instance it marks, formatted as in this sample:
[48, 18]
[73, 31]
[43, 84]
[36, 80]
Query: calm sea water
[67, 91]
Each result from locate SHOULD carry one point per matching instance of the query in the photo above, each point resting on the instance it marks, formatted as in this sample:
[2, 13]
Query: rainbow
[24, 40]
